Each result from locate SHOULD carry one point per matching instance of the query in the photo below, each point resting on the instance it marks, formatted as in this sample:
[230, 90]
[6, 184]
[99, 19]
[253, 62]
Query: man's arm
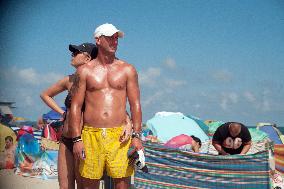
[126, 130]
[78, 95]
[246, 140]
[219, 148]
[216, 142]
[246, 148]
[133, 94]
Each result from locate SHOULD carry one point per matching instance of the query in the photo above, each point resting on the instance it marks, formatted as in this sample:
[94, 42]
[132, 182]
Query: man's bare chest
[106, 78]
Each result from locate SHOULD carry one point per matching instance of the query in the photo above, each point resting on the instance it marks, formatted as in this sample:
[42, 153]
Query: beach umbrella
[52, 115]
[166, 125]
[4, 132]
[272, 132]
[200, 123]
[213, 126]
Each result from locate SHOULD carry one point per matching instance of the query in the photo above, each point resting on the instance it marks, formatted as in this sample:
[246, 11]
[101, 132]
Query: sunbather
[8, 160]
[191, 143]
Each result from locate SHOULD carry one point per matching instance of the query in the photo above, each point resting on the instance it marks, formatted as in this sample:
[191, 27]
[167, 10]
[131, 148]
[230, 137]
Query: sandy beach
[8, 180]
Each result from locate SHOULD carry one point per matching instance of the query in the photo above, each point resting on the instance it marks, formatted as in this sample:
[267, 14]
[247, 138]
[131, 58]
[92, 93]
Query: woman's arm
[48, 94]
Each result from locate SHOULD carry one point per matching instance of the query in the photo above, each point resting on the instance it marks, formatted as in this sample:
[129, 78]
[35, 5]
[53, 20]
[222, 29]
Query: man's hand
[224, 153]
[136, 144]
[125, 134]
[246, 148]
[219, 148]
[79, 150]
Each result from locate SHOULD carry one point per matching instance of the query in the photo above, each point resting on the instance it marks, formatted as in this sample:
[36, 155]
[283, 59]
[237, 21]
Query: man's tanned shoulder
[84, 69]
[126, 65]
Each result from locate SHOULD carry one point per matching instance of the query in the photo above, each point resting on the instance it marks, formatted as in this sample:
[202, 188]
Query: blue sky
[220, 60]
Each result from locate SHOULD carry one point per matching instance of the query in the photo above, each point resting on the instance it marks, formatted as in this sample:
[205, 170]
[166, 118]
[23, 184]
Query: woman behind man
[67, 172]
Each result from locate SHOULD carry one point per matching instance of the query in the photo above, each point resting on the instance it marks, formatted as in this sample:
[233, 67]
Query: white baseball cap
[107, 30]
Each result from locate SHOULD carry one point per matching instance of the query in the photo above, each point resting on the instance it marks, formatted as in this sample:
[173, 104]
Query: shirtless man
[8, 162]
[105, 84]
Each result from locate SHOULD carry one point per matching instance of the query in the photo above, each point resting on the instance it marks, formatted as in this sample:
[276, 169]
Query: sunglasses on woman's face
[75, 53]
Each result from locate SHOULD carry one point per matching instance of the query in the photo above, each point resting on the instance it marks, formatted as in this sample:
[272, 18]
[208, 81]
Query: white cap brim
[107, 30]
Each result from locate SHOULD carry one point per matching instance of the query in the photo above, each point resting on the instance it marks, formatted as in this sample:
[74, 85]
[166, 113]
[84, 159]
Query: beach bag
[49, 133]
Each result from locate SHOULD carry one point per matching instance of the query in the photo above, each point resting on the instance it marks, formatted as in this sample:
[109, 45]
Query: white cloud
[263, 105]
[150, 99]
[197, 106]
[175, 83]
[51, 77]
[249, 96]
[170, 106]
[149, 76]
[266, 105]
[170, 63]
[29, 76]
[223, 104]
[23, 86]
[222, 75]
[29, 101]
[32, 77]
[228, 99]
[233, 97]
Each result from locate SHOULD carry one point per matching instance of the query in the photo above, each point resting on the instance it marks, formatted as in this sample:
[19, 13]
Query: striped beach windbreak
[173, 168]
[279, 157]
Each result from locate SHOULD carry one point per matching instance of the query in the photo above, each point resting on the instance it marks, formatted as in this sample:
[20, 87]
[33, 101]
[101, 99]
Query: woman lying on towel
[185, 142]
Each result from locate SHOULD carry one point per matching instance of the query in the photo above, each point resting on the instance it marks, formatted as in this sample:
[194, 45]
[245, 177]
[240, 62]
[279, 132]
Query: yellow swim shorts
[104, 151]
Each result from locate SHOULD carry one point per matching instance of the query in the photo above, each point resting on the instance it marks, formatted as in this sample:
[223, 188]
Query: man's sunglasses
[75, 53]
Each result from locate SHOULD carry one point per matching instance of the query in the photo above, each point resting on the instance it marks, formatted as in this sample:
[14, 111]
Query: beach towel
[32, 161]
[43, 166]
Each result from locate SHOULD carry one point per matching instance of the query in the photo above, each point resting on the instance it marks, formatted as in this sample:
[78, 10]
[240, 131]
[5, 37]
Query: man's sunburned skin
[106, 84]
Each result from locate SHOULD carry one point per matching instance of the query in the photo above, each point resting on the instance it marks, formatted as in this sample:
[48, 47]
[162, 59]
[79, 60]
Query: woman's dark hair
[196, 139]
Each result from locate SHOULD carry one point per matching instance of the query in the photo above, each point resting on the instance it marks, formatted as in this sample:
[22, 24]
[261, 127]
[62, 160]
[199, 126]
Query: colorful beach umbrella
[52, 115]
[166, 125]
